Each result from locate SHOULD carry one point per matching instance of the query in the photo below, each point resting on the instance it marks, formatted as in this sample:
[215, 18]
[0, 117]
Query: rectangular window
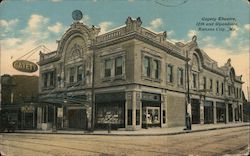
[204, 83]
[222, 88]
[180, 76]
[118, 66]
[71, 74]
[194, 80]
[217, 87]
[170, 73]
[108, 66]
[51, 79]
[229, 90]
[80, 73]
[211, 85]
[240, 93]
[130, 113]
[147, 66]
[156, 70]
[45, 79]
[137, 117]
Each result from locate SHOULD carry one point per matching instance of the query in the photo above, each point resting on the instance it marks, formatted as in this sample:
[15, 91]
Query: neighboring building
[140, 80]
[19, 97]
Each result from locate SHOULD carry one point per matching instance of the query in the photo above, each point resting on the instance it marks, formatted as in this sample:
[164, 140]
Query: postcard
[124, 77]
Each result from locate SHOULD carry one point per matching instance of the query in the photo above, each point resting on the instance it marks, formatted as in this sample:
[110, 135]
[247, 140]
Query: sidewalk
[143, 132]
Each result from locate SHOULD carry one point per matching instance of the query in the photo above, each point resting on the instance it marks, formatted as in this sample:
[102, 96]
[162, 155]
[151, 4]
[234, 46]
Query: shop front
[220, 112]
[110, 109]
[195, 105]
[151, 110]
[208, 112]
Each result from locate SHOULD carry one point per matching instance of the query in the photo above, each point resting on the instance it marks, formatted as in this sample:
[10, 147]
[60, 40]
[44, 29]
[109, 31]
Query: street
[215, 142]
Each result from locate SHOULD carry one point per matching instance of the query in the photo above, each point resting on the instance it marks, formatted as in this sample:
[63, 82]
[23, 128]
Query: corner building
[140, 81]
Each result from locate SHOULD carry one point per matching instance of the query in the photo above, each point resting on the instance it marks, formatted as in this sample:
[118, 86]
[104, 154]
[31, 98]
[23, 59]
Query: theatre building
[136, 79]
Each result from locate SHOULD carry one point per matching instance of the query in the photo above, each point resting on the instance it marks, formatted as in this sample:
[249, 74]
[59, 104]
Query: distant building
[19, 97]
[140, 80]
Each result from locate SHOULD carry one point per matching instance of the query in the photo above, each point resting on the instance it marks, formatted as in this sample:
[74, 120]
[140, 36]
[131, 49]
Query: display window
[110, 114]
[151, 115]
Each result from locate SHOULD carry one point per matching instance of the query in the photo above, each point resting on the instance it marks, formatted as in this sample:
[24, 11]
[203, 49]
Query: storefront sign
[27, 109]
[25, 66]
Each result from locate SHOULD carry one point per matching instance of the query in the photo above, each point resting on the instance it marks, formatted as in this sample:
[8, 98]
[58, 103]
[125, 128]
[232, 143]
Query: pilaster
[214, 112]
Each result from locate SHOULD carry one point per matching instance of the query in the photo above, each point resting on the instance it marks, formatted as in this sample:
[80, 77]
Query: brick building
[19, 98]
[140, 80]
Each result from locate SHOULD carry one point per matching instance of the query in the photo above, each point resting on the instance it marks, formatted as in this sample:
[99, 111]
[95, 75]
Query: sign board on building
[25, 66]
[27, 109]
[60, 112]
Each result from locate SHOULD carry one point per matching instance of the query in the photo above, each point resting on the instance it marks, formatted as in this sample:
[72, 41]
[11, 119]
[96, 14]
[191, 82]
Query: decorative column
[133, 110]
[227, 113]
[241, 110]
[233, 110]
[202, 101]
[128, 110]
[214, 112]
[163, 108]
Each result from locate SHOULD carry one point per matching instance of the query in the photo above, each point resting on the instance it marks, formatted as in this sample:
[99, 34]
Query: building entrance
[77, 118]
[195, 104]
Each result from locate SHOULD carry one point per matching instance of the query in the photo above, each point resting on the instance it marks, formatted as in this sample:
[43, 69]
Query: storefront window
[129, 117]
[151, 115]
[111, 113]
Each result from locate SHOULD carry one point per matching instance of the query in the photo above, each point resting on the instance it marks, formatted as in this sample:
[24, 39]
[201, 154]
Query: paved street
[215, 142]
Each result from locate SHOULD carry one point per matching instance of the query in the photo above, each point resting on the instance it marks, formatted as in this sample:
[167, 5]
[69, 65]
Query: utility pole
[188, 103]
[93, 88]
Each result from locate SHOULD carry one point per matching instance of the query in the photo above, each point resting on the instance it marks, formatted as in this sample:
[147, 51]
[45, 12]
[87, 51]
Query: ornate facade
[136, 78]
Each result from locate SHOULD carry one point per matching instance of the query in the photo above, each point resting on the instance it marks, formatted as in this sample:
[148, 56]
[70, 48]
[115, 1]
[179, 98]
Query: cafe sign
[25, 66]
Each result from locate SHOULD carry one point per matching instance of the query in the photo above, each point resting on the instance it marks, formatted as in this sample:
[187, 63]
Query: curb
[110, 134]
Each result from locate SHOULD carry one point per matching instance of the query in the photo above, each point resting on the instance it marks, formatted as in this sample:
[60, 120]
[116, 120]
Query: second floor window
[45, 79]
[118, 66]
[180, 76]
[108, 67]
[80, 73]
[51, 79]
[71, 75]
[48, 79]
[156, 69]
[170, 73]
[217, 87]
[194, 80]
[222, 88]
[211, 85]
[146, 63]
[204, 83]
[229, 90]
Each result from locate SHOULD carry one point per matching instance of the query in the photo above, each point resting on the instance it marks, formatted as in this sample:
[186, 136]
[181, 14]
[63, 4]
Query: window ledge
[151, 79]
[48, 88]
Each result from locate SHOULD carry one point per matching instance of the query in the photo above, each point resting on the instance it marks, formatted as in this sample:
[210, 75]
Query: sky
[27, 24]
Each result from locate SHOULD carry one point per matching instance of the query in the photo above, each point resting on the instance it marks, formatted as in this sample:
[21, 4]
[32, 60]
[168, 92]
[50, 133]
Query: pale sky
[26, 24]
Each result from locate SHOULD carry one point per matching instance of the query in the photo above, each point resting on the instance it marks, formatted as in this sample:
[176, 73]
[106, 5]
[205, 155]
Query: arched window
[195, 63]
